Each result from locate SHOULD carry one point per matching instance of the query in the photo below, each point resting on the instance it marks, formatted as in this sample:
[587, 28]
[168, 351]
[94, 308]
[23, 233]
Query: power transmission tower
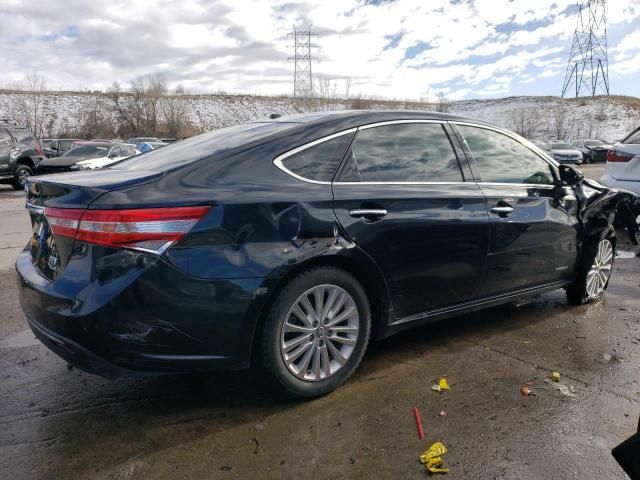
[588, 67]
[302, 58]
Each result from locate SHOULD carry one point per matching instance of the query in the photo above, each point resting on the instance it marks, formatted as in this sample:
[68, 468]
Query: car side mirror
[570, 175]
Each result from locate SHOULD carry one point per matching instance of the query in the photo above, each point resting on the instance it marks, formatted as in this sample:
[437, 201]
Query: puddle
[624, 254]
[21, 339]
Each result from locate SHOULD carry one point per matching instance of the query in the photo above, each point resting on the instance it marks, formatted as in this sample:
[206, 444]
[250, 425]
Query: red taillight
[149, 229]
[617, 156]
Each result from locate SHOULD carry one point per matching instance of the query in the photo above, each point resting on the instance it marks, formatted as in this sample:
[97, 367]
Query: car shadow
[130, 417]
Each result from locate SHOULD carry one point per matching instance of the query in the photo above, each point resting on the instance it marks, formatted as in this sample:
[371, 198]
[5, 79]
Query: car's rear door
[534, 230]
[404, 197]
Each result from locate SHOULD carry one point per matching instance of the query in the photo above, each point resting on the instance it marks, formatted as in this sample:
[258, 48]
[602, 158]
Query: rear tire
[22, 173]
[594, 272]
[316, 332]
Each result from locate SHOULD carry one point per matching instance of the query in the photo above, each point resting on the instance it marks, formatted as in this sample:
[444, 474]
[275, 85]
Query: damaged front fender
[601, 209]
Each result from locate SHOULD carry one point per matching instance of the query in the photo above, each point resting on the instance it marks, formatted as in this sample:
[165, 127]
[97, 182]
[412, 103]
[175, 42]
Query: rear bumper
[142, 321]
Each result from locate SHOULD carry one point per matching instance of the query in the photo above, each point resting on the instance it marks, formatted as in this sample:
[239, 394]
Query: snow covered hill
[536, 117]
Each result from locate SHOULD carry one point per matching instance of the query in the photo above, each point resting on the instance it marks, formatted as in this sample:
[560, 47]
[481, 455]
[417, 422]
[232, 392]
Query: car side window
[404, 152]
[501, 159]
[320, 161]
[115, 152]
[129, 151]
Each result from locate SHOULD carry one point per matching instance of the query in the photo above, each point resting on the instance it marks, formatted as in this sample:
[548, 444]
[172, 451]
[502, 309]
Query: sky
[394, 49]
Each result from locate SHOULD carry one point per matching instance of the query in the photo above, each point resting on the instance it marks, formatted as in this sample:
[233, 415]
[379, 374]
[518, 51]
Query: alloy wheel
[598, 275]
[320, 332]
[23, 175]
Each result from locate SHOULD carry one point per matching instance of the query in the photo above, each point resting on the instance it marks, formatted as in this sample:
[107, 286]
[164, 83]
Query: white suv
[623, 164]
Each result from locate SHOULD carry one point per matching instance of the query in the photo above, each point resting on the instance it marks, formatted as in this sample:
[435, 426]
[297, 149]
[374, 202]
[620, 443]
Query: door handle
[368, 213]
[502, 210]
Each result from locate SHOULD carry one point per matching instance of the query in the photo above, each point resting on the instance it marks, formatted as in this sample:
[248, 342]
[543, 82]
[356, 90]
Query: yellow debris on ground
[442, 383]
[555, 376]
[432, 458]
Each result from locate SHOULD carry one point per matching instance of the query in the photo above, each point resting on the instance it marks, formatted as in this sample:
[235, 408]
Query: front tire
[22, 173]
[594, 273]
[316, 332]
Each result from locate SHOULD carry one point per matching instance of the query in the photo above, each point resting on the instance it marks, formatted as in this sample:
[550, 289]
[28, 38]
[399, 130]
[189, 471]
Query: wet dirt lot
[57, 422]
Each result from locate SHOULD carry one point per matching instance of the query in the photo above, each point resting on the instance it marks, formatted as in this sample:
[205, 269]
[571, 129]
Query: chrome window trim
[404, 183]
[507, 184]
[395, 122]
[279, 159]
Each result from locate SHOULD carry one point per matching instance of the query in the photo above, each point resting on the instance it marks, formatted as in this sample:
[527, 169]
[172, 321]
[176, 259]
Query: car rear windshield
[201, 146]
[633, 138]
[562, 146]
[88, 151]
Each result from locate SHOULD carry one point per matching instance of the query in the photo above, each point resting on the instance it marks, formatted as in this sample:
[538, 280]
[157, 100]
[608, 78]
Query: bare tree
[155, 89]
[347, 87]
[442, 104]
[30, 107]
[121, 103]
[175, 113]
[526, 121]
[327, 93]
[560, 119]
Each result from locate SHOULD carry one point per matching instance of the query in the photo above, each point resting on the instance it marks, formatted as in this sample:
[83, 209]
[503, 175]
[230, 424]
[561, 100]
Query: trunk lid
[49, 252]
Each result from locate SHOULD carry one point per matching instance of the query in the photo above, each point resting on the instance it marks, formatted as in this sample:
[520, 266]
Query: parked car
[540, 144]
[137, 140]
[622, 169]
[565, 153]
[20, 153]
[87, 156]
[56, 147]
[292, 243]
[592, 150]
[146, 146]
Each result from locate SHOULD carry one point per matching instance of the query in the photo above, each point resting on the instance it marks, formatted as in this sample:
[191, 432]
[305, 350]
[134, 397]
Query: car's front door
[534, 230]
[403, 198]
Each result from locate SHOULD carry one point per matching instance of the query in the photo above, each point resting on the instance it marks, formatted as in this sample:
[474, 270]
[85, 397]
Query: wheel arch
[26, 161]
[361, 267]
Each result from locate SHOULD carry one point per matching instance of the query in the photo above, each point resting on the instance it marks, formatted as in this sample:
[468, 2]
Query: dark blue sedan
[292, 243]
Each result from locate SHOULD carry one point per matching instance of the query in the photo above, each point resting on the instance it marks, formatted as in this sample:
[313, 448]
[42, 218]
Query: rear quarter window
[318, 162]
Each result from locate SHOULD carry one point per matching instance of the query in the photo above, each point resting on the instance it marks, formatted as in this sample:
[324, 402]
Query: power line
[302, 58]
[588, 68]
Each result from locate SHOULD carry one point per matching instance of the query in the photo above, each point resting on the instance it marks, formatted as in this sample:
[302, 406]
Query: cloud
[401, 49]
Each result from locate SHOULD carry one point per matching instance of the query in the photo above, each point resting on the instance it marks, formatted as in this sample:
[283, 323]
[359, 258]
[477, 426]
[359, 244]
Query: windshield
[562, 146]
[201, 146]
[593, 143]
[88, 151]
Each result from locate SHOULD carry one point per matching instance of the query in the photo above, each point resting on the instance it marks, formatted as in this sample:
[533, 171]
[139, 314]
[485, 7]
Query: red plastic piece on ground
[416, 415]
